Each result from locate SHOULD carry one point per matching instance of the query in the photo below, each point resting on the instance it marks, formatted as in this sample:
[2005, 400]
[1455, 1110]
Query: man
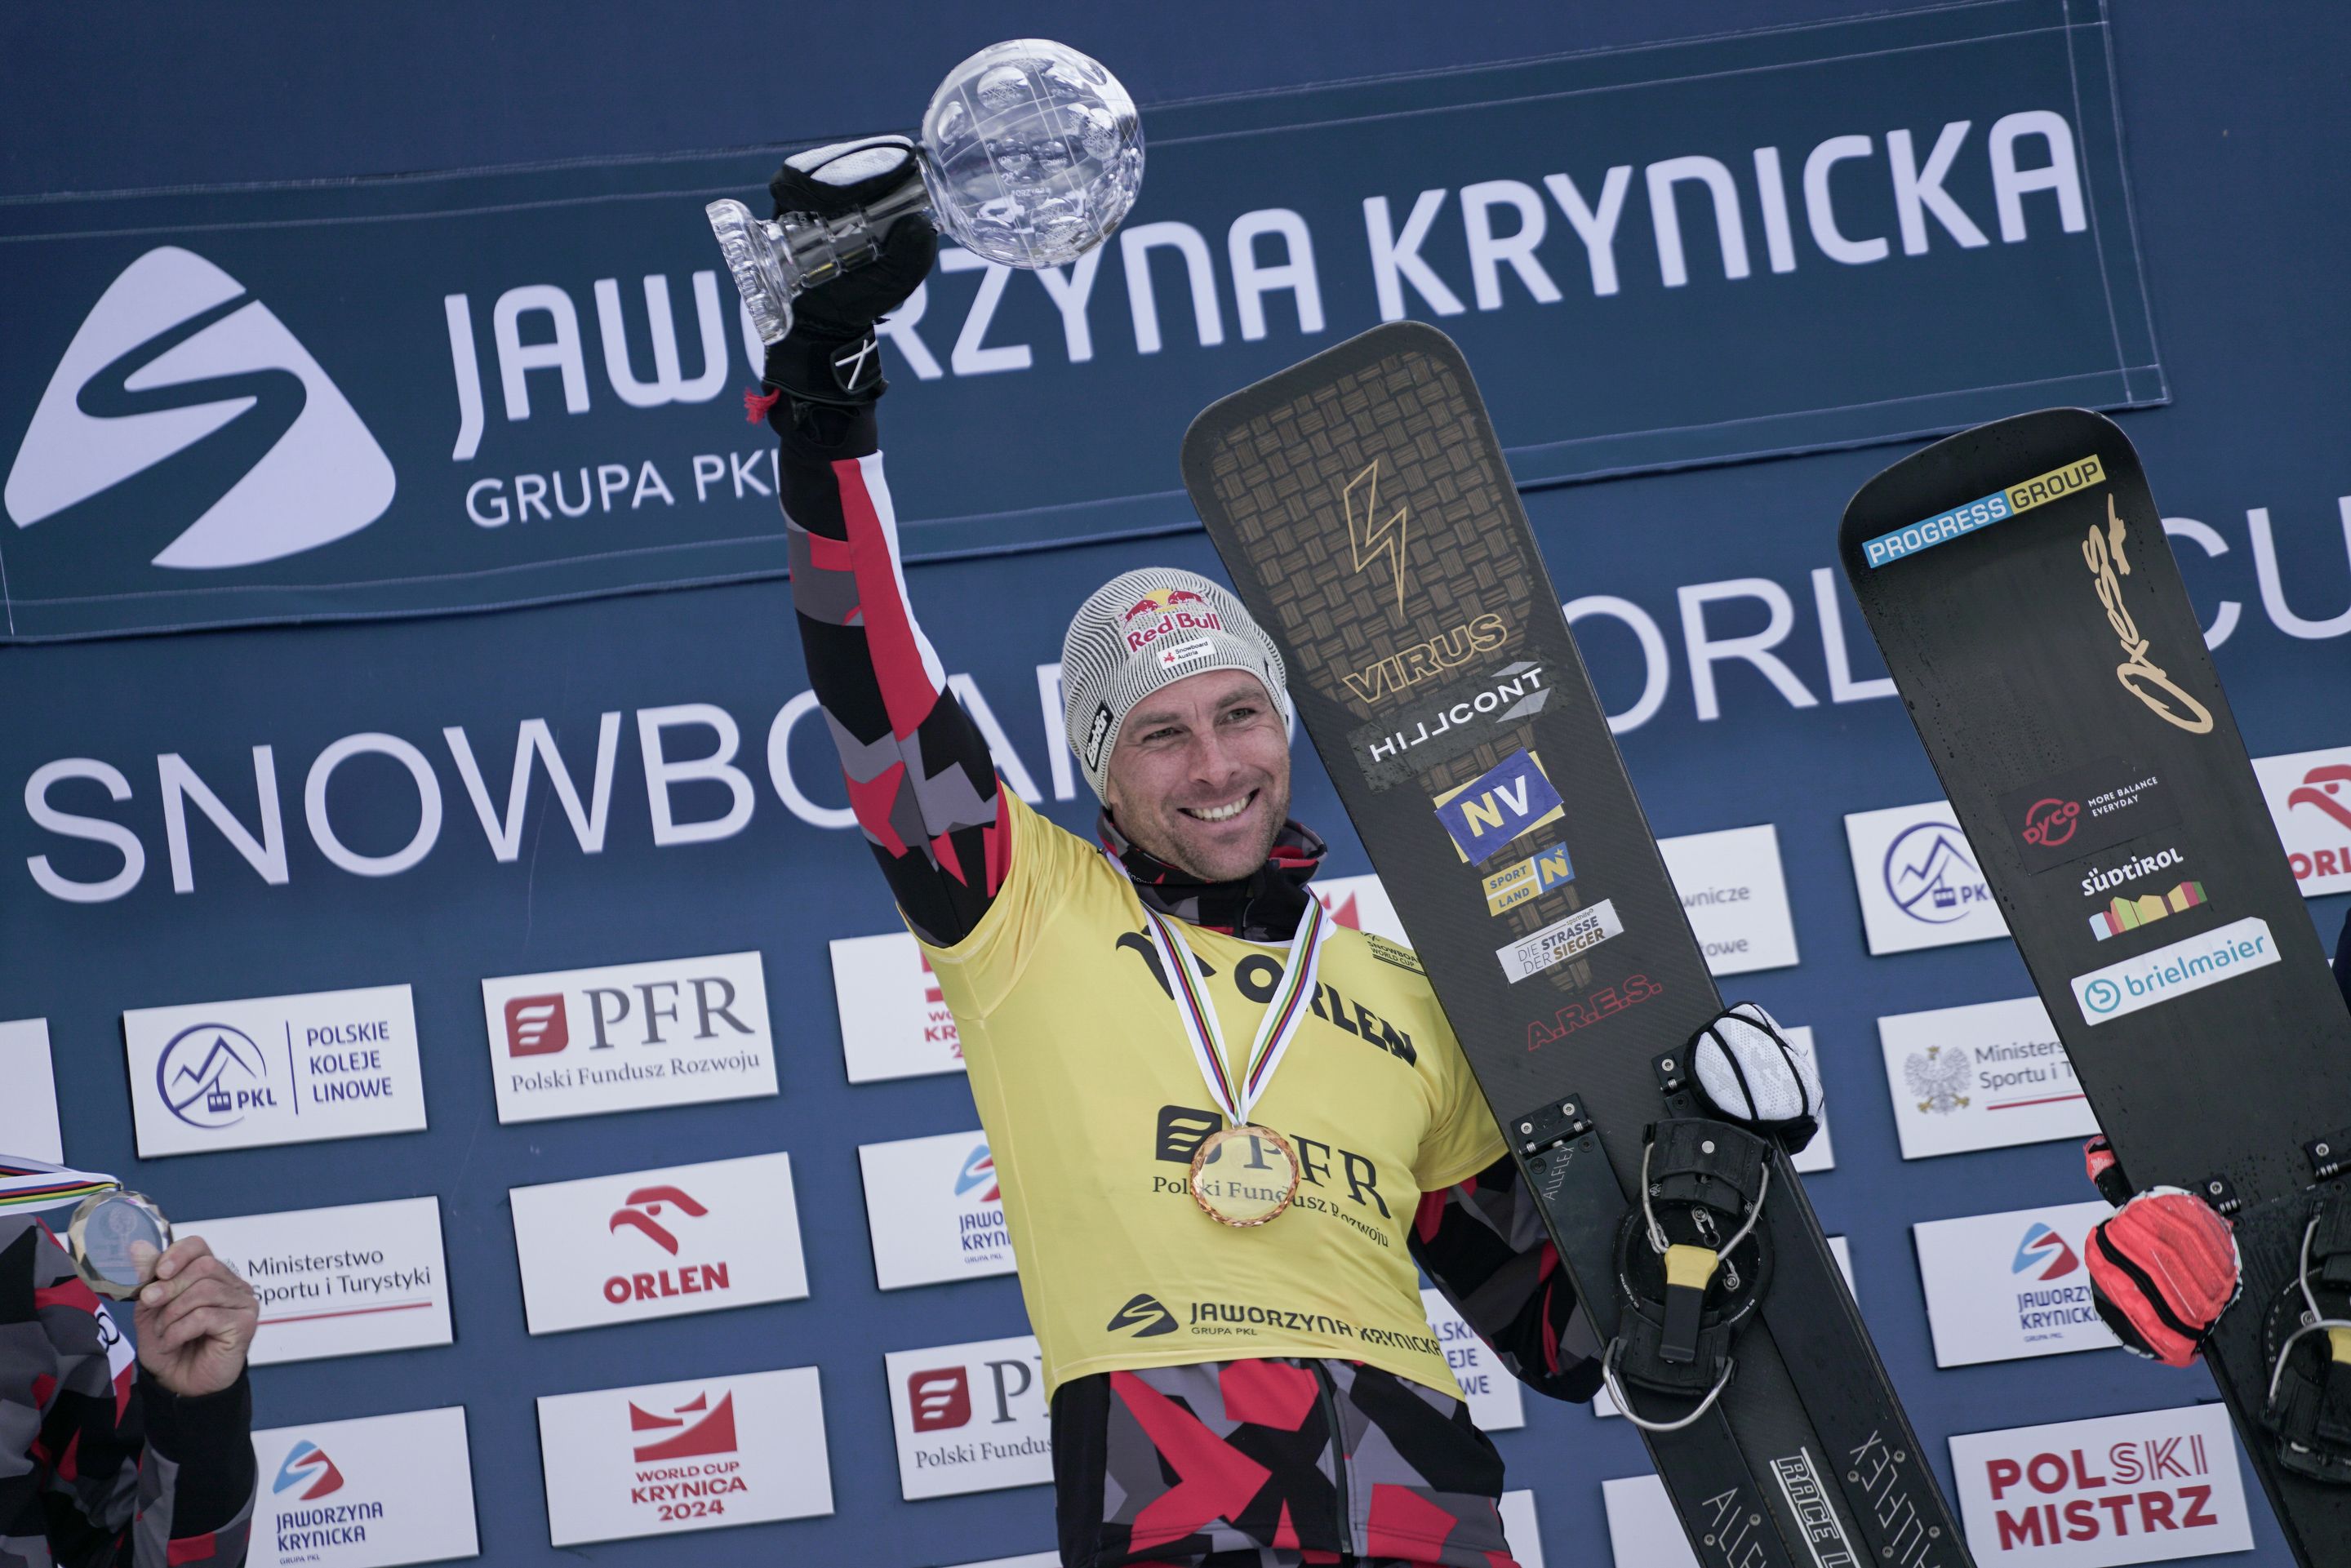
[1164, 1031]
[101, 1467]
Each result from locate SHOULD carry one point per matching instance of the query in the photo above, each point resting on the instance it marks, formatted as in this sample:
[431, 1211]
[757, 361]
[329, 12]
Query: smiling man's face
[1200, 775]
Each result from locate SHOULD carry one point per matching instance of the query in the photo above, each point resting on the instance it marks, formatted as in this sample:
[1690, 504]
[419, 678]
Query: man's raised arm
[919, 775]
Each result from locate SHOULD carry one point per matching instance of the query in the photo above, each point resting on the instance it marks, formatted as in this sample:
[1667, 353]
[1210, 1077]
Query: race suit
[100, 1466]
[1250, 1398]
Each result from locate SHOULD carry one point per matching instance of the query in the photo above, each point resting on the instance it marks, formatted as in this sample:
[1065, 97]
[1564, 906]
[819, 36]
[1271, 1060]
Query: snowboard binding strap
[2309, 1403]
[1682, 1293]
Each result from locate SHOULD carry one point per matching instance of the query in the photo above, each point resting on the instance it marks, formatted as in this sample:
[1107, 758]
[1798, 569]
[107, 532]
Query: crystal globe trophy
[1030, 154]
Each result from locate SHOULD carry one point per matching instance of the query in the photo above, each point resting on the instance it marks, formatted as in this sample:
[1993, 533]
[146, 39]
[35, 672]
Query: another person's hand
[195, 1319]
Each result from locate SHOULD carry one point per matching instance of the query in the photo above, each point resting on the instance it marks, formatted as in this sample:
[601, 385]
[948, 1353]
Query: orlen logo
[939, 1399]
[306, 1465]
[537, 1025]
[643, 1212]
[697, 1428]
[210, 1075]
[978, 1171]
[2319, 788]
[174, 352]
[642, 1209]
[2045, 1249]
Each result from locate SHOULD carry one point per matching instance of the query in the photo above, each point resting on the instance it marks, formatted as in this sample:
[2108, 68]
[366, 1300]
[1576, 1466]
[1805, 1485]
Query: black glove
[830, 356]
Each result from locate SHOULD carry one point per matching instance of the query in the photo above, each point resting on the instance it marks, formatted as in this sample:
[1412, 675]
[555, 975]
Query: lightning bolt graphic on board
[1371, 534]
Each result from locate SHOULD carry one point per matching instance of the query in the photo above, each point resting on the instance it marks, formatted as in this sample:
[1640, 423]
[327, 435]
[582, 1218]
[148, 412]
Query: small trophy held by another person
[1030, 155]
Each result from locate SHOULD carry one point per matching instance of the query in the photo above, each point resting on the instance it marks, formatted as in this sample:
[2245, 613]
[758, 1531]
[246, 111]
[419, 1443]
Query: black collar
[1264, 906]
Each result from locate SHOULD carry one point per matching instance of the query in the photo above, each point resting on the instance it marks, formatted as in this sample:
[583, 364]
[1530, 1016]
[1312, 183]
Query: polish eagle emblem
[1936, 1077]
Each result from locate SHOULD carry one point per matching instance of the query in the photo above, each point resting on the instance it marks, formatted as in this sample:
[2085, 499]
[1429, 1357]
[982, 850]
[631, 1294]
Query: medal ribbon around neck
[1284, 1013]
[30, 1184]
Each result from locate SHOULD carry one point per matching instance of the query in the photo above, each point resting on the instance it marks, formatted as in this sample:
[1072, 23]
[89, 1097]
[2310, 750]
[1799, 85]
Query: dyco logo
[2045, 1250]
[210, 1075]
[174, 352]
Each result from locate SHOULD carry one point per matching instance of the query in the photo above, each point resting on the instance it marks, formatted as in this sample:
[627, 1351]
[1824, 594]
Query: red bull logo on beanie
[1160, 610]
[1998, 506]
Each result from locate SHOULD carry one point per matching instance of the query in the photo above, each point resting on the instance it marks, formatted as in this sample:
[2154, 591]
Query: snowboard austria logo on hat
[1146, 630]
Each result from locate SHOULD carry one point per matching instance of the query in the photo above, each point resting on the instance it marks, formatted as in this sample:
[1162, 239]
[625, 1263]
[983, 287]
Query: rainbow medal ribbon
[109, 1221]
[1258, 1180]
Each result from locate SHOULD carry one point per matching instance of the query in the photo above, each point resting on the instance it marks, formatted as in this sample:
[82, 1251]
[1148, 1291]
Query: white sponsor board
[368, 1493]
[1030, 1560]
[679, 1032]
[1984, 1076]
[345, 1281]
[1570, 935]
[28, 1111]
[970, 1417]
[1519, 1525]
[2146, 1487]
[1603, 1406]
[700, 1454]
[658, 1244]
[934, 1211]
[1732, 889]
[893, 1021]
[2309, 797]
[2175, 969]
[1361, 903]
[2002, 1286]
[1917, 878]
[1642, 1529]
[1491, 1392]
[274, 1070]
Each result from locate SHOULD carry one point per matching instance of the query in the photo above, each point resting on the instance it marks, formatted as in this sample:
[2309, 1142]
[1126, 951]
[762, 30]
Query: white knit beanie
[1142, 631]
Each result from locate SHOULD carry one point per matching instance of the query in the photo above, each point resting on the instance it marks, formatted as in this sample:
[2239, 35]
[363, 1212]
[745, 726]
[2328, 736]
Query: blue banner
[460, 392]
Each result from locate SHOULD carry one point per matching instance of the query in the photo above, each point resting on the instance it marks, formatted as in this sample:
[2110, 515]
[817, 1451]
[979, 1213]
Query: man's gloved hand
[2162, 1270]
[830, 356]
[1748, 1073]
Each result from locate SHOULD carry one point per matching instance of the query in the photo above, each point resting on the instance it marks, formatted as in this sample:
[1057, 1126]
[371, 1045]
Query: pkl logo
[174, 352]
[1513, 797]
[712, 1430]
[978, 1170]
[306, 1465]
[2319, 788]
[939, 1399]
[537, 1025]
[643, 1209]
[2045, 1249]
[2050, 823]
[1930, 876]
[210, 1075]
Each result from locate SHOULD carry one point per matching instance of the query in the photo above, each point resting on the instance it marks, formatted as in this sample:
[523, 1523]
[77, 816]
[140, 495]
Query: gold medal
[104, 1234]
[1244, 1176]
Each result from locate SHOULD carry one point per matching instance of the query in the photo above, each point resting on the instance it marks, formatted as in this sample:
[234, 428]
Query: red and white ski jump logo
[697, 1426]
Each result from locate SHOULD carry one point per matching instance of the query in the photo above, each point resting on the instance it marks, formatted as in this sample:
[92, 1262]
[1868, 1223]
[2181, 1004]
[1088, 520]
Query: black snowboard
[2019, 582]
[1363, 506]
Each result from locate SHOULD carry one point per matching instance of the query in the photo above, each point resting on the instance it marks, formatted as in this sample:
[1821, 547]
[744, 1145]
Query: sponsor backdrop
[508, 986]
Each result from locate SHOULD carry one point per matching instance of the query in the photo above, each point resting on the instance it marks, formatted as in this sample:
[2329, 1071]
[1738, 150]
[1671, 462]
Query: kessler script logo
[274, 1070]
[174, 352]
[626, 1036]
[658, 1243]
[368, 1493]
[2103, 553]
[2190, 964]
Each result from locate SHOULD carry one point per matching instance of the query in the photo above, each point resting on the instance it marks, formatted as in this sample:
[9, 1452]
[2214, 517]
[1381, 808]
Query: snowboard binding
[1691, 1268]
[2306, 1339]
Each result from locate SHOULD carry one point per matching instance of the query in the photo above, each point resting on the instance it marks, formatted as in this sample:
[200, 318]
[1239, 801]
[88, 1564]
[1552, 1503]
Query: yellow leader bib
[1094, 1107]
